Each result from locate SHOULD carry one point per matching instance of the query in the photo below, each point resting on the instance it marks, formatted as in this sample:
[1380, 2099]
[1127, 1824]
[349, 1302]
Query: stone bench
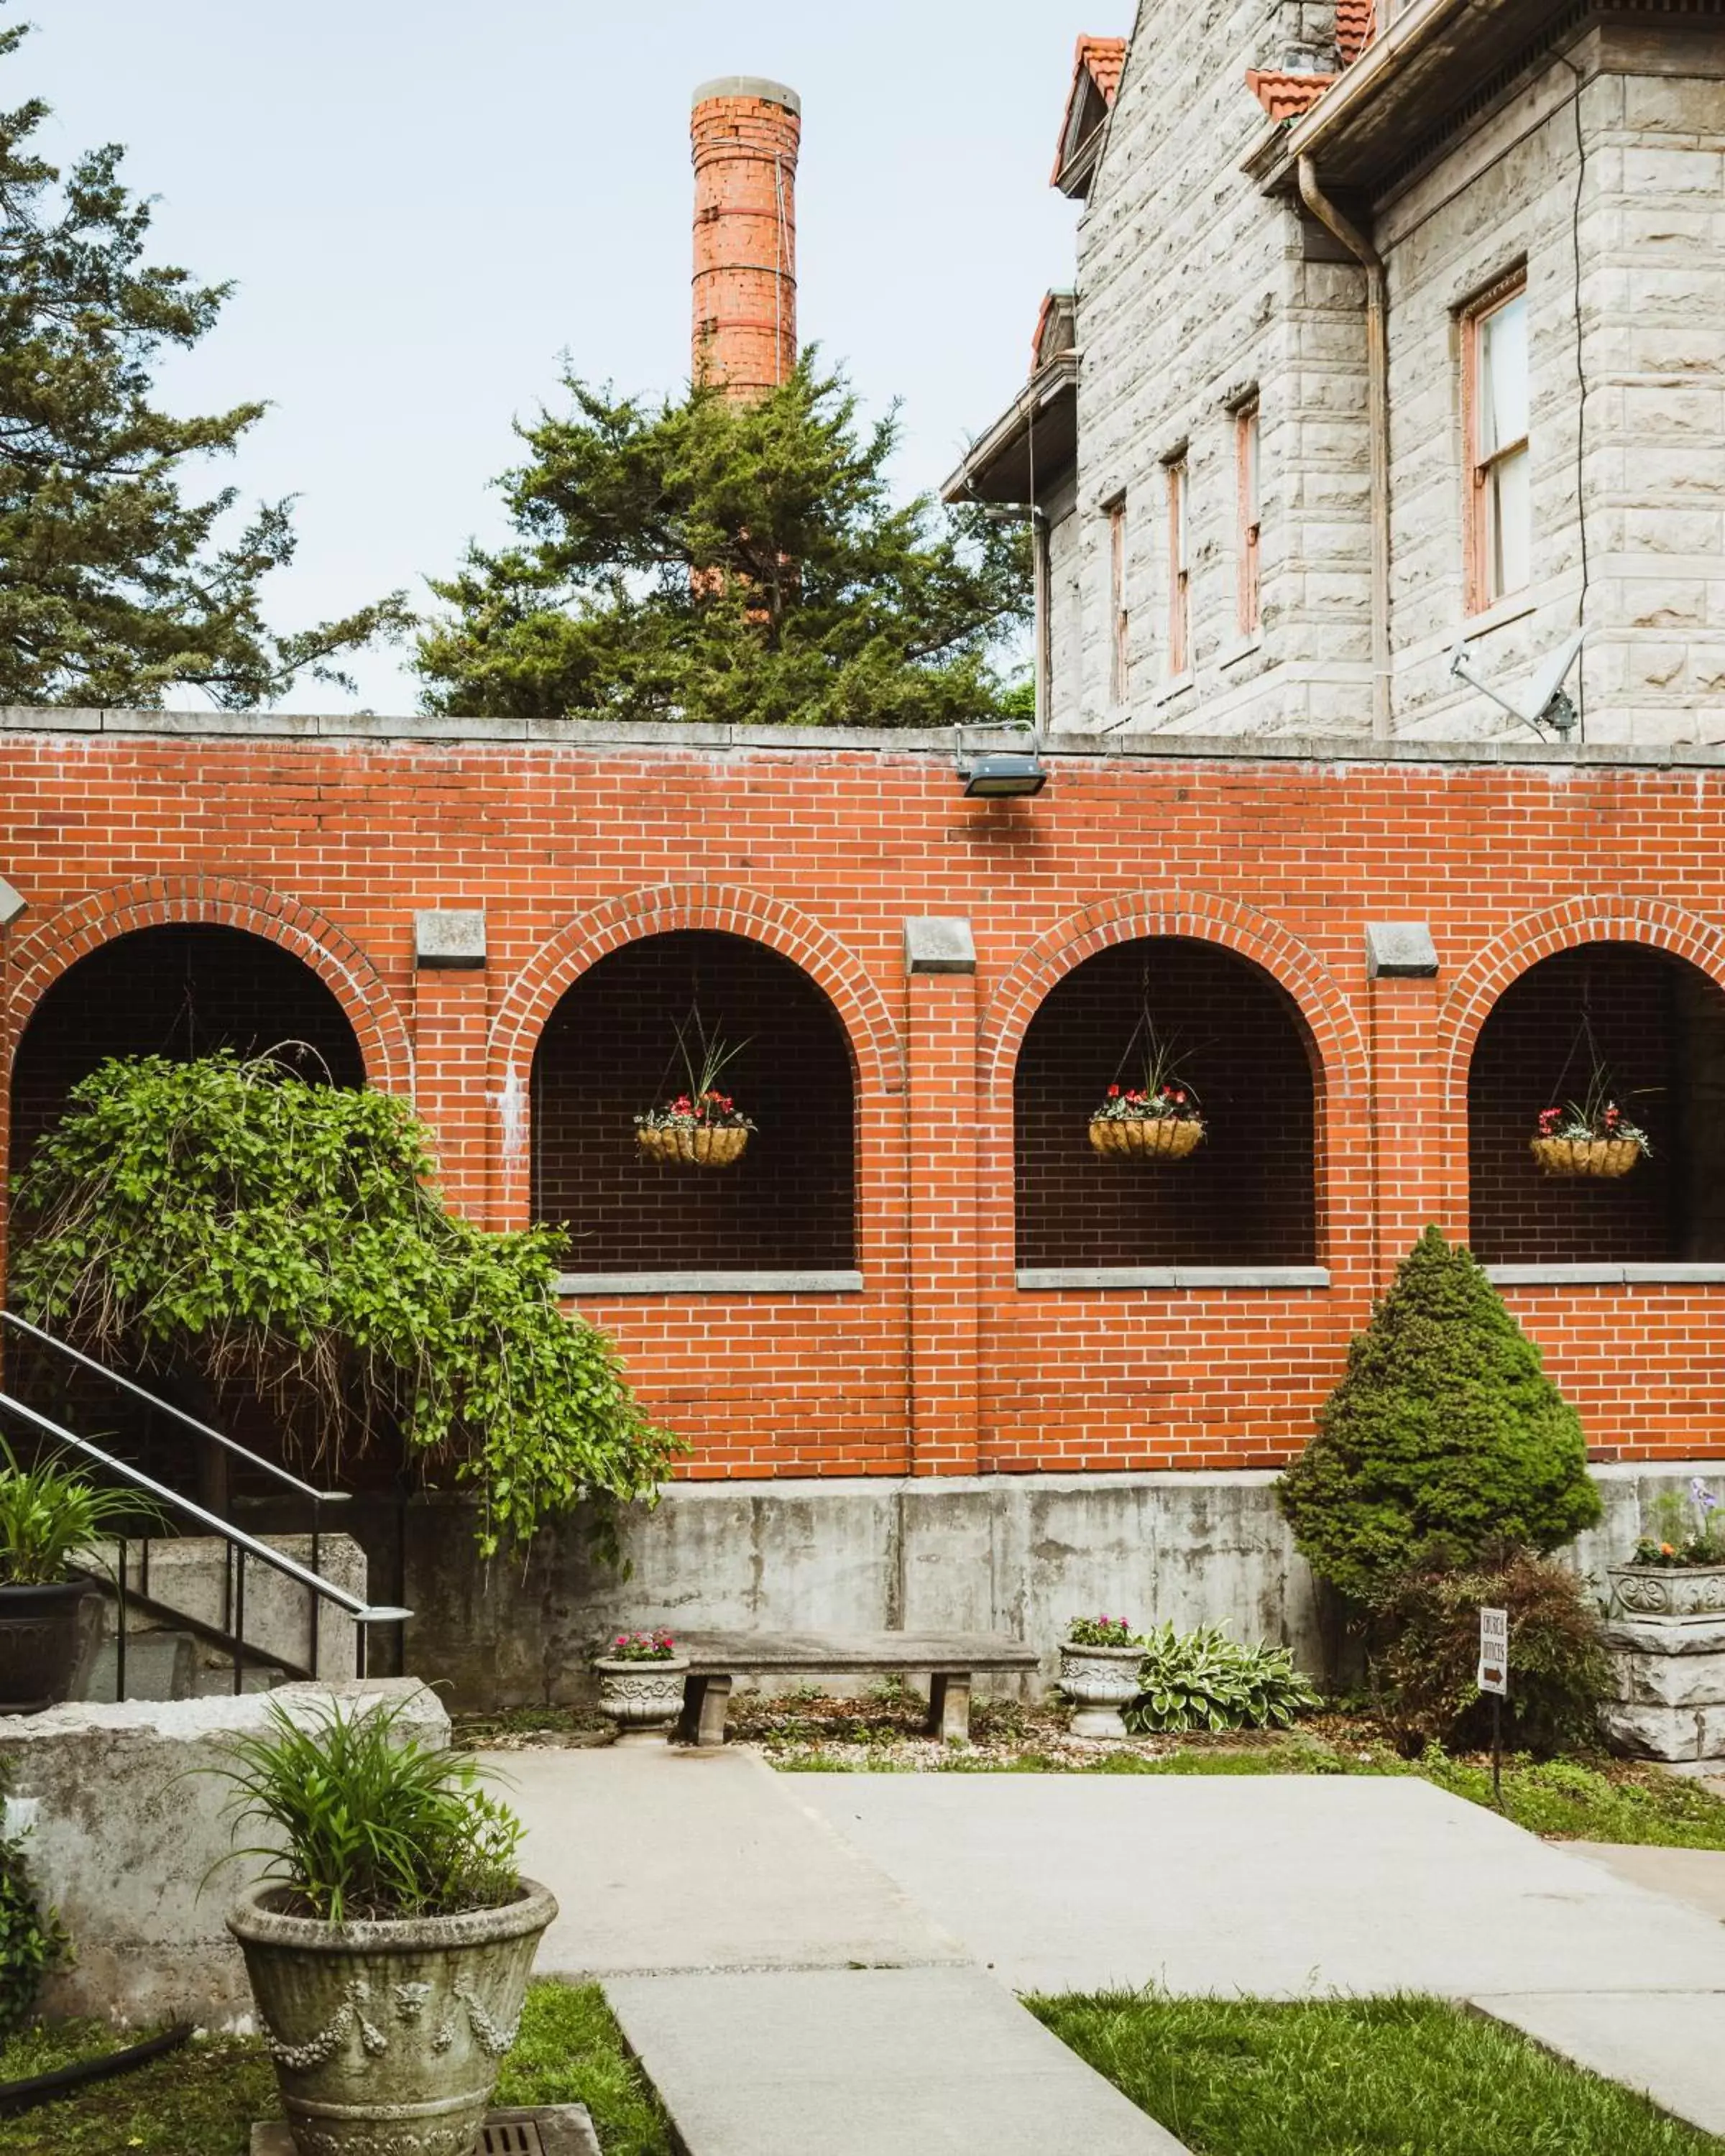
[950, 1661]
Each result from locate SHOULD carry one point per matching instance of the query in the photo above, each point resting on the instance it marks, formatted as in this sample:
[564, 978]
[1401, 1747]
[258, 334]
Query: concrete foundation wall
[1020, 1555]
[128, 1840]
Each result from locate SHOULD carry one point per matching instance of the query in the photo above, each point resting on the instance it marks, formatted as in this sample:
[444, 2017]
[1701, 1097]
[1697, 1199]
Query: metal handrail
[166, 1407]
[362, 1613]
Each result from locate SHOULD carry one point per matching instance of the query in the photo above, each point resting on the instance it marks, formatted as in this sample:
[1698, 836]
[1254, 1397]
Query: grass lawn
[200, 2101]
[1354, 2077]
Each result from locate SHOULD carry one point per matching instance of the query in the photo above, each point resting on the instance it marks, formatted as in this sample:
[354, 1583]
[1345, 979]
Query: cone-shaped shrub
[1444, 1438]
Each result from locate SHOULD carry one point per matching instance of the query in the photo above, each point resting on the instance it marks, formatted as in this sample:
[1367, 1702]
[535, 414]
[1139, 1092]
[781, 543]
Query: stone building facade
[1567, 161]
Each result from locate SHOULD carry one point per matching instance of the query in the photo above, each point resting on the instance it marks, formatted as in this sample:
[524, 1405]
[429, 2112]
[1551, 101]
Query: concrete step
[162, 1664]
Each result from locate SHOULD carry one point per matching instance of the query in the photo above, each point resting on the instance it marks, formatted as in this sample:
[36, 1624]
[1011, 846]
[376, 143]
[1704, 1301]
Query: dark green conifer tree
[1443, 1439]
[114, 587]
[732, 562]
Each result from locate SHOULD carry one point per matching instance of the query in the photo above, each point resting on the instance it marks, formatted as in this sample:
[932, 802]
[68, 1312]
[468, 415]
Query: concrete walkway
[1694, 1876]
[782, 1995]
[826, 1961]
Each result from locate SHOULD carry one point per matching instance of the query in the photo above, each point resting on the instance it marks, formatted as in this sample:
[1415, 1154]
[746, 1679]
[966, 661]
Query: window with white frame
[1494, 407]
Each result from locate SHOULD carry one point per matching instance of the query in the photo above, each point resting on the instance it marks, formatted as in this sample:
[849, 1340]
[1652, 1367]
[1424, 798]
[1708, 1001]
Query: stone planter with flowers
[641, 1685]
[1099, 1673]
[1665, 1634]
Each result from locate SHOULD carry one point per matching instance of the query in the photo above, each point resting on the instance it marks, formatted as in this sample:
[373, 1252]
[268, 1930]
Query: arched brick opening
[179, 990]
[1248, 1195]
[1659, 1023]
[608, 1049]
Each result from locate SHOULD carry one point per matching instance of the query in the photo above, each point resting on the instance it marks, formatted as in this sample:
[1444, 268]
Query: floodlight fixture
[1000, 774]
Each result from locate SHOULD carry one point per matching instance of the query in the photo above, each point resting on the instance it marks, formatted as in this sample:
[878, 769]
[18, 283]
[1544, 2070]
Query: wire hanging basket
[701, 1126]
[1592, 1136]
[1159, 1120]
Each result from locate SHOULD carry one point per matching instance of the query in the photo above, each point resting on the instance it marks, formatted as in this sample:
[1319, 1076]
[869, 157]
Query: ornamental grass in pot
[48, 1518]
[389, 1941]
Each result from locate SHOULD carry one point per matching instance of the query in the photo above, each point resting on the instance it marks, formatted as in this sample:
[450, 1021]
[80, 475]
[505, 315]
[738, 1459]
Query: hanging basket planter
[1602, 1156]
[690, 1144]
[1145, 1138]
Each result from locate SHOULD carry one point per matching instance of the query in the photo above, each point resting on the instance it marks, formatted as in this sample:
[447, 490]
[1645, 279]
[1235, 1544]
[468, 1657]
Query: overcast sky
[423, 204]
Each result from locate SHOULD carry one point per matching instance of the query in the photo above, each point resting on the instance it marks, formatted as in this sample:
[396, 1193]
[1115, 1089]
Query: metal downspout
[1377, 423]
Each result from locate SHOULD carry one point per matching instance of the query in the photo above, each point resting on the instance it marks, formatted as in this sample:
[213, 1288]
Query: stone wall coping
[1677, 1274]
[602, 736]
[710, 1283]
[1665, 1635]
[1031, 1277]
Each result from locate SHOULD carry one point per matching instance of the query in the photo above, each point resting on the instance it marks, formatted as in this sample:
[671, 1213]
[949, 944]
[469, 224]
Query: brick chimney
[744, 133]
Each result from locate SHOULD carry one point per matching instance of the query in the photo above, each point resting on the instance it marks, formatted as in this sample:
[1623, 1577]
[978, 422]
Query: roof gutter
[1058, 373]
[1377, 422]
[1412, 30]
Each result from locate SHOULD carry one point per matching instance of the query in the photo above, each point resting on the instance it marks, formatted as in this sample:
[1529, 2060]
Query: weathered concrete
[189, 1574]
[1016, 1553]
[564, 2129]
[132, 1844]
[857, 2062]
[1665, 2044]
[1694, 1876]
[1279, 1887]
[690, 1860]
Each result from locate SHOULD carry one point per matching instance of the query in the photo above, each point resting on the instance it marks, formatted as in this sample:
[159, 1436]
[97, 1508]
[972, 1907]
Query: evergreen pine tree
[731, 561]
[1444, 1438]
[113, 588]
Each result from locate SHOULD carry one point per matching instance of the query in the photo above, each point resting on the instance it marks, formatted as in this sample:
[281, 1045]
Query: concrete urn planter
[1099, 1681]
[643, 1698]
[387, 2036]
[1676, 1591]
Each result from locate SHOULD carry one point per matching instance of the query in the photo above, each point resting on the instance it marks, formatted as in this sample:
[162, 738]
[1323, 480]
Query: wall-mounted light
[1000, 774]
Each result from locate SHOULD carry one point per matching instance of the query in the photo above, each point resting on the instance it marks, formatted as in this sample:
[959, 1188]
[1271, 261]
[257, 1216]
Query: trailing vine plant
[229, 1218]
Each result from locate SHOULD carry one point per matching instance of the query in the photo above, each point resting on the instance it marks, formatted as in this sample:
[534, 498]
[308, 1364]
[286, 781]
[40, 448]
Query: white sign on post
[1494, 1652]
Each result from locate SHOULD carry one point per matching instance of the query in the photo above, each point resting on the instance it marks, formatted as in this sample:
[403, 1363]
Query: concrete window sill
[702, 1283]
[1178, 687]
[1676, 1274]
[1173, 1276]
[1236, 652]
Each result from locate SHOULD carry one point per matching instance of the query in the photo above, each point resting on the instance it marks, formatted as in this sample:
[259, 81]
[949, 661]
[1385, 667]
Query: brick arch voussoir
[558, 963]
[1568, 926]
[56, 947]
[1201, 917]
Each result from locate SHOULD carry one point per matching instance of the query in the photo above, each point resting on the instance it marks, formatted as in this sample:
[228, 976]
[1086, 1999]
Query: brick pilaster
[450, 1011]
[1418, 1139]
[940, 967]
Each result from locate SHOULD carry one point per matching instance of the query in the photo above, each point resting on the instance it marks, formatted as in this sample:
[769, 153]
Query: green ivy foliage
[32, 1943]
[289, 1236]
[1203, 1680]
[1443, 1439]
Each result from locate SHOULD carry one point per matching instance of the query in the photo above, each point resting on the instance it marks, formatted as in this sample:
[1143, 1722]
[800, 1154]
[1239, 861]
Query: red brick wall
[610, 1050]
[324, 848]
[1247, 1196]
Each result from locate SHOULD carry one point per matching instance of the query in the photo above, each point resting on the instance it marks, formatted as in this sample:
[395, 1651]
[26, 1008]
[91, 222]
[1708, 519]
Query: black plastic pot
[38, 1644]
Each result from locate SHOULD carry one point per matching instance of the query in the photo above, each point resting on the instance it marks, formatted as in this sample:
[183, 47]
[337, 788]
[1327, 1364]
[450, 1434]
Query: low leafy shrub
[1099, 1632]
[32, 1943]
[1203, 1680]
[47, 1517]
[1425, 1636]
[378, 1823]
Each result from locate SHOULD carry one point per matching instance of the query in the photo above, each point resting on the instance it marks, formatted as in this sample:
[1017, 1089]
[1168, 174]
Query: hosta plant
[1204, 1680]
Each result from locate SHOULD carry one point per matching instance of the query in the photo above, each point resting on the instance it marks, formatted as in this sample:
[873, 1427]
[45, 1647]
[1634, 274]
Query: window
[1119, 618]
[1245, 455]
[1499, 518]
[1179, 595]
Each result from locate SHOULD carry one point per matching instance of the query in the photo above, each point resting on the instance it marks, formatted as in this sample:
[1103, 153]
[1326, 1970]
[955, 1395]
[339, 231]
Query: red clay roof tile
[1098, 64]
[1286, 96]
[1356, 26]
